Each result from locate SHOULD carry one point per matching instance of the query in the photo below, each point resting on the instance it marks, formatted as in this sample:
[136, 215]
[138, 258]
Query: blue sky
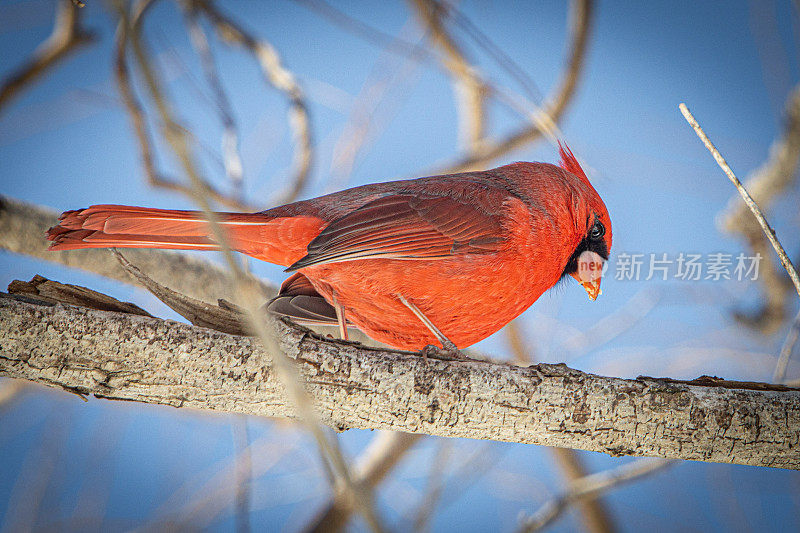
[66, 143]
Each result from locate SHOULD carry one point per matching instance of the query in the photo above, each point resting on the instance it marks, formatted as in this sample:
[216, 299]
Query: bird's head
[588, 260]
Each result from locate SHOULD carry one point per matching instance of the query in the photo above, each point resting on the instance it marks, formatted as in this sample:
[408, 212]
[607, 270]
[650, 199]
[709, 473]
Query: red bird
[444, 259]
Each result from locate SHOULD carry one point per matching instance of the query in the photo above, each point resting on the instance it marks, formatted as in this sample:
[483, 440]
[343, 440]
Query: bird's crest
[570, 163]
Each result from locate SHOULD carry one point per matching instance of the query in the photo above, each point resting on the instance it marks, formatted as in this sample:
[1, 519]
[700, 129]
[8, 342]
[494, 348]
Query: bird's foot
[448, 352]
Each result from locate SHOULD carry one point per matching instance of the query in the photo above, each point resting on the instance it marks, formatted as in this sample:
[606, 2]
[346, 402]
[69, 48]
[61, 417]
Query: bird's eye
[597, 231]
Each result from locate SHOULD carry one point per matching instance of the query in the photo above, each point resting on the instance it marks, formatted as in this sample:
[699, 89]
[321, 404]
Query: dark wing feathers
[305, 310]
[299, 300]
[407, 226]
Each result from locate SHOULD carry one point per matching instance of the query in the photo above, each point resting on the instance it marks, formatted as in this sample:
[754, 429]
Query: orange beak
[590, 273]
[592, 288]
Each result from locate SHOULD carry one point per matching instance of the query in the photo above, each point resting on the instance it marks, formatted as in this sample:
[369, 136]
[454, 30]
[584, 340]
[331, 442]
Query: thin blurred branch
[27, 495]
[435, 486]
[137, 114]
[590, 486]
[372, 35]
[294, 386]
[377, 461]
[552, 109]
[469, 87]
[385, 87]
[766, 184]
[230, 134]
[748, 200]
[67, 36]
[241, 438]
[786, 350]
[595, 517]
[9, 388]
[122, 356]
[521, 353]
[466, 470]
[494, 51]
[612, 325]
[540, 121]
[279, 77]
[203, 496]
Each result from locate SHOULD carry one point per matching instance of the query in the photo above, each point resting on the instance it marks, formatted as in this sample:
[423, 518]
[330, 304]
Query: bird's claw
[449, 352]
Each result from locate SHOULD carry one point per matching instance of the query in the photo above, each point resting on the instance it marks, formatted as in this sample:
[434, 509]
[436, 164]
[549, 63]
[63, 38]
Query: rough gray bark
[128, 357]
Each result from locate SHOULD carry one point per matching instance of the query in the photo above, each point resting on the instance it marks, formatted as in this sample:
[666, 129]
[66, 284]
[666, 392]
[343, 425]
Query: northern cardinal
[448, 259]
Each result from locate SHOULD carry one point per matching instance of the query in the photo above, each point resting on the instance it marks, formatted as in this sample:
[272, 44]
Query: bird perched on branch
[444, 260]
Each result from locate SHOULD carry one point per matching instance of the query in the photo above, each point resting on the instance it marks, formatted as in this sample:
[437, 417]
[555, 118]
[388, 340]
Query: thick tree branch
[127, 357]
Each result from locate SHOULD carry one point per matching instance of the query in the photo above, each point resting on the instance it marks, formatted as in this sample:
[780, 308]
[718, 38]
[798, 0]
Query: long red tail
[277, 240]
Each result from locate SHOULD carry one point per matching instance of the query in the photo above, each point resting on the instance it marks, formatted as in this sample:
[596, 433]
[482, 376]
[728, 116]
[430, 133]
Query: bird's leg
[340, 317]
[448, 350]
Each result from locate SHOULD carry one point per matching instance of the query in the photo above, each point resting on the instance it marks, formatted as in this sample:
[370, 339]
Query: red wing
[409, 227]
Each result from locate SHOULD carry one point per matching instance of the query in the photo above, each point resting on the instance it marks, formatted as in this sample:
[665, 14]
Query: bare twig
[748, 200]
[786, 350]
[435, 486]
[595, 517]
[590, 486]
[138, 119]
[765, 184]
[377, 461]
[247, 294]
[198, 313]
[230, 135]
[553, 108]
[67, 36]
[469, 87]
[279, 77]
